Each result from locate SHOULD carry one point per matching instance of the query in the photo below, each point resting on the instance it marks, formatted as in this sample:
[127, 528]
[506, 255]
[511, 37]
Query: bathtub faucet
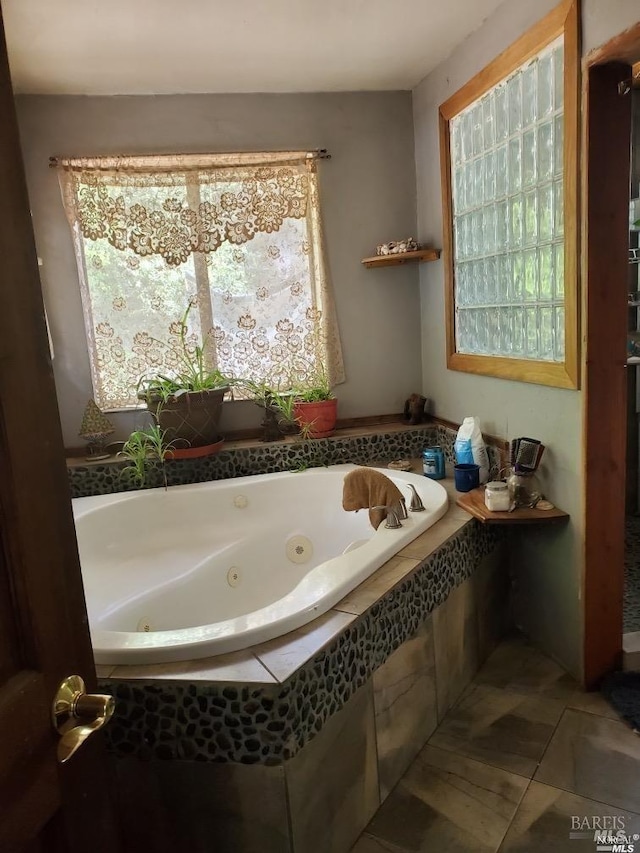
[393, 519]
[416, 504]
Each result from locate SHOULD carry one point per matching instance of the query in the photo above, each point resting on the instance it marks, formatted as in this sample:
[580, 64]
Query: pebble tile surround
[268, 723]
[386, 443]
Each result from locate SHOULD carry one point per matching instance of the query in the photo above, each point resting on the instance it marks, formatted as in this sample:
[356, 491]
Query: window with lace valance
[237, 235]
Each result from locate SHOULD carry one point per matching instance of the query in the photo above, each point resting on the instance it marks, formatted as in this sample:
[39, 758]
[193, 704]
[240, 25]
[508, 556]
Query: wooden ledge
[401, 258]
[474, 504]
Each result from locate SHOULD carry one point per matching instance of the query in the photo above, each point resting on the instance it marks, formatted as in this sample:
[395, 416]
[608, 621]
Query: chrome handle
[392, 522]
[77, 714]
[400, 509]
[416, 504]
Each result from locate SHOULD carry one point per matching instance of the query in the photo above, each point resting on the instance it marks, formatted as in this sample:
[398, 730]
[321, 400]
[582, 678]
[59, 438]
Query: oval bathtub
[203, 569]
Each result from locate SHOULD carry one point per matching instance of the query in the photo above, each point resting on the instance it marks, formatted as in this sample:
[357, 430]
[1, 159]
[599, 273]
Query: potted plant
[279, 419]
[315, 408]
[188, 404]
[143, 449]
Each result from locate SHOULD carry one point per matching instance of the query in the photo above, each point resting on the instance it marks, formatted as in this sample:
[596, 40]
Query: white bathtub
[209, 568]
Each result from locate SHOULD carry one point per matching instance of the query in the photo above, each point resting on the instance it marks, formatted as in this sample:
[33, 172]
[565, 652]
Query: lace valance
[172, 206]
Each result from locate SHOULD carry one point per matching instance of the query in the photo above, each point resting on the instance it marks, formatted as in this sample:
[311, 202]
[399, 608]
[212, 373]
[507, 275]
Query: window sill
[555, 374]
[352, 428]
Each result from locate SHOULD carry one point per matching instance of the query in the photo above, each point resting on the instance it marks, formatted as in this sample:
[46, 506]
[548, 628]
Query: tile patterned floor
[632, 573]
[523, 762]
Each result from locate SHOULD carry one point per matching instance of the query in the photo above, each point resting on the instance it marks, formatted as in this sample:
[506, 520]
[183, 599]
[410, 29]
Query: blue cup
[466, 476]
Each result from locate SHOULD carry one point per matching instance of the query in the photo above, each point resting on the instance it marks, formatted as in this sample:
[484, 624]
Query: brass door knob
[76, 714]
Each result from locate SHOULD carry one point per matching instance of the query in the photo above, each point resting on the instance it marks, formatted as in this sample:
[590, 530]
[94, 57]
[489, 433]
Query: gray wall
[547, 564]
[367, 193]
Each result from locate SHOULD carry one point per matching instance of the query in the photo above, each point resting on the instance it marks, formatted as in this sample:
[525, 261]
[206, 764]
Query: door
[608, 75]
[44, 806]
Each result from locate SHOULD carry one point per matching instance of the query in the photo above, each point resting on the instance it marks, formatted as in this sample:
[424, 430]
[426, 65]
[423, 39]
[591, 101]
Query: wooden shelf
[473, 502]
[401, 258]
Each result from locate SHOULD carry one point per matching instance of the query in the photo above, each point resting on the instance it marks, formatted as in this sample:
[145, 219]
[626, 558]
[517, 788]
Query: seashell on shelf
[397, 247]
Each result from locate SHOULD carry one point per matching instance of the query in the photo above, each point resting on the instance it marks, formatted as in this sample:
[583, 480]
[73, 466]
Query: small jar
[496, 496]
[433, 462]
[524, 488]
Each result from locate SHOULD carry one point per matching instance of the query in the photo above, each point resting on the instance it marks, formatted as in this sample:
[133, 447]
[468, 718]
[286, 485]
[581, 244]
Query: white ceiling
[164, 46]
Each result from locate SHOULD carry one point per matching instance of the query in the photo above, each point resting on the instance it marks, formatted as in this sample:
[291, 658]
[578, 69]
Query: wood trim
[530, 43]
[447, 235]
[606, 135]
[625, 47]
[565, 18]
[473, 502]
[571, 164]
[519, 369]
[420, 255]
[607, 162]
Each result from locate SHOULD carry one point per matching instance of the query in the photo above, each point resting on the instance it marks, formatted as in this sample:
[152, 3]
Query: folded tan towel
[365, 488]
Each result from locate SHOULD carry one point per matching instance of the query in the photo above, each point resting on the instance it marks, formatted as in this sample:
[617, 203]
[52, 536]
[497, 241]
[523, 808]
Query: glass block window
[506, 151]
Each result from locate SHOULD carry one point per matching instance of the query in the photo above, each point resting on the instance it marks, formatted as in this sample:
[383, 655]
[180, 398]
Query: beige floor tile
[593, 703]
[492, 596]
[368, 844]
[180, 806]
[240, 807]
[446, 802]
[455, 631]
[518, 665]
[594, 757]
[333, 781]
[404, 692]
[548, 820]
[500, 727]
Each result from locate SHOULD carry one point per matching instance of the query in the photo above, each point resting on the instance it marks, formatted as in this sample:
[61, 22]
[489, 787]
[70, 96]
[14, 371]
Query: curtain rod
[312, 154]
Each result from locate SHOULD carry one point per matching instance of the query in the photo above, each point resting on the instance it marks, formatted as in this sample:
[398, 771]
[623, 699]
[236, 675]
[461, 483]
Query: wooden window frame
[563, 20]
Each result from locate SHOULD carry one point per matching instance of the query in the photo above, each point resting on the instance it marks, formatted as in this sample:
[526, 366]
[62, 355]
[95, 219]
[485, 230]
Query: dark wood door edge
[607, 164]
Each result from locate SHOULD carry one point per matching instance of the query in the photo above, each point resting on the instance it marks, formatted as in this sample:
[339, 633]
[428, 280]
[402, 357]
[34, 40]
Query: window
[508, 147]
[238, 236]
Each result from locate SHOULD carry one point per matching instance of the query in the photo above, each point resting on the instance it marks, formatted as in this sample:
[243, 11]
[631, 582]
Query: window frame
[563, 20]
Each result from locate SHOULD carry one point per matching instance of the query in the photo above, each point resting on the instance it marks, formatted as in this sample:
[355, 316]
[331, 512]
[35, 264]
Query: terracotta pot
[192, 417]
[195, 452]
[317, 420]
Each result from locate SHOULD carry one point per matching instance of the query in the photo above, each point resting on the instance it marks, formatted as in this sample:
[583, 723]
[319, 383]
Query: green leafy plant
[144, 448]
[192, 374]
[315, 386]
[279, 404]
[284, 402]
[315, 394]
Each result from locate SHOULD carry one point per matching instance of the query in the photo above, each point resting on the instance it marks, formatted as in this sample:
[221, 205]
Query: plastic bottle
[469, 446]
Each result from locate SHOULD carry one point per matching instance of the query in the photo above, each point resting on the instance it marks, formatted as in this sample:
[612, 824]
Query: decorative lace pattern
[241, 240]
[238, 206]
